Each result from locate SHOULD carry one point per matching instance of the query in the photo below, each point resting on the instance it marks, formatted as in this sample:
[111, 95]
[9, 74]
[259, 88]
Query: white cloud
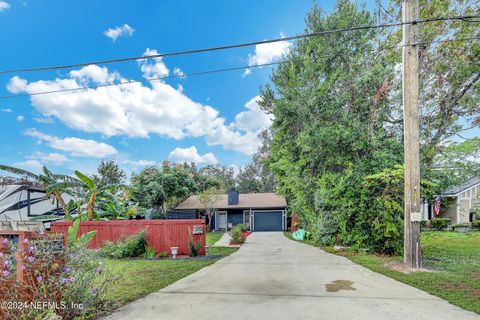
[139, 163]
[114, 33]
[179, 73]
[139, 110]
[267, 53]
[50, 158]
[254, 118]
[44, 120]
[20, 118]
[33, 165]
[153, 67]
[4, 5]
[74, 146]
[191, 155]
[7, 110]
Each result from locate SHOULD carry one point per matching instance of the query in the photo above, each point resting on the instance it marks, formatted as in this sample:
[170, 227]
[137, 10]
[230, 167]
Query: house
[457, 201]
[25, 202]
[257, 211]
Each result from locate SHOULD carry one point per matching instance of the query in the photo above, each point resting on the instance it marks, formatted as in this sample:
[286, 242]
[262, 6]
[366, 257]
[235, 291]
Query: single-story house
[457, 202]
[257, 211]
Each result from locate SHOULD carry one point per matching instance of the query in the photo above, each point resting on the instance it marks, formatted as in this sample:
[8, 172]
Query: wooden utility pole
[412, 217]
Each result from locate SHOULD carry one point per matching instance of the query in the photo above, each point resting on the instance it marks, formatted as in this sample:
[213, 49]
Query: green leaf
[86, 180]
[19, 172]
[86, 238]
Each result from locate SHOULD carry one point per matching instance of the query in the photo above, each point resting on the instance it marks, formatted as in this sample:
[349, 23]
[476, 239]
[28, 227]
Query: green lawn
[137, 278]
[454, 258]
[213, 237]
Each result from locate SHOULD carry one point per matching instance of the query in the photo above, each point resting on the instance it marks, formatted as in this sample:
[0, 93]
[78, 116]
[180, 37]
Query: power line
[247, 44]
[213, 71]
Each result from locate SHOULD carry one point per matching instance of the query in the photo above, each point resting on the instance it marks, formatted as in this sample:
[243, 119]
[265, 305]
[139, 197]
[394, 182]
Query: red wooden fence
[161, 234]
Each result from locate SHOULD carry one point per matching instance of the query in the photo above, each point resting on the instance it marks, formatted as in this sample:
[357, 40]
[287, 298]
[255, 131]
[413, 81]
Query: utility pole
[412, 216]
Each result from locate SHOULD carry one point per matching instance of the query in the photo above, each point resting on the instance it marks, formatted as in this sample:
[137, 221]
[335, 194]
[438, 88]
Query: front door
[222, 220]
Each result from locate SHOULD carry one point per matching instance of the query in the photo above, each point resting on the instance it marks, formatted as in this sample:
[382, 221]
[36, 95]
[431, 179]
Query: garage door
[267, 220]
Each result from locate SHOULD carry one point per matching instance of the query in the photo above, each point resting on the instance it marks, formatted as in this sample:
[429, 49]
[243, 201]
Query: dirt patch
[338, 285]
[459, 286]
[401, 267]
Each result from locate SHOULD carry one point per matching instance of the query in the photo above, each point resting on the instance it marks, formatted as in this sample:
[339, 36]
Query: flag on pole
[436, 206]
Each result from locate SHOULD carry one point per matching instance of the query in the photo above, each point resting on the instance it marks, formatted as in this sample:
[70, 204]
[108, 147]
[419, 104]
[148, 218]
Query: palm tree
[53, 183]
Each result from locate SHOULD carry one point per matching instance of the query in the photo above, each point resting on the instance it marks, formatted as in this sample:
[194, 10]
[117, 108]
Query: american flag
[436, 206]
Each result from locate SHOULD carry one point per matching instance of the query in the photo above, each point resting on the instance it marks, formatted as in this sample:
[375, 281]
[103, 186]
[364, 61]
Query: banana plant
[53, 183]
[74, 240]
[92, 191]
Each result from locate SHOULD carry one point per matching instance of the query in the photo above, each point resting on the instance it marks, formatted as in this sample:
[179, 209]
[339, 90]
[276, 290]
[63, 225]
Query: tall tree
[109, 174]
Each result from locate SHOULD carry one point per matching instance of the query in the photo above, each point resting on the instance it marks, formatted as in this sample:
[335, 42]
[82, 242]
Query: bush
[476, 224]
[126, 247]
[193, 248]
[461, 225]
[243, 227]
[440, 223]
[237, 235]
[150, 252]
[163, 254]
[69, 277]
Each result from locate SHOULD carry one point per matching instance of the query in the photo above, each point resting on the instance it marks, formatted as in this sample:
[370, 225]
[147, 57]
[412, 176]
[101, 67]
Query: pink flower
[72, 279]
[5, 241]
[5, 273]
[23, 268]
[5, 263]
[25, 240]
[1, 254]
[39, 278]
[30, 259]
[30, 249]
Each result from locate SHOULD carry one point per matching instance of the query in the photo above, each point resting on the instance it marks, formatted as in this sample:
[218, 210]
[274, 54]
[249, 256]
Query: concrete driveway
[272, 277]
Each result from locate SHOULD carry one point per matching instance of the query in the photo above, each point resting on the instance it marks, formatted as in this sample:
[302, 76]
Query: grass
[137, 278]
[454, 257]
[213, 237]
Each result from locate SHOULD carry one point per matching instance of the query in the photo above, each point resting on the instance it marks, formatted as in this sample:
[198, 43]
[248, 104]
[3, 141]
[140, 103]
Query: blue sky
[207, 119]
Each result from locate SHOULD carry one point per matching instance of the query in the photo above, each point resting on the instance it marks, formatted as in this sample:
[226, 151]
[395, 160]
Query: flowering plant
[68, 282]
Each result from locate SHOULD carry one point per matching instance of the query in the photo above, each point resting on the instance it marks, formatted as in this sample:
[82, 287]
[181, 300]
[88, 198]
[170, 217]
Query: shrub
[63, 278]
[243, 227]
[476, 224]
[237, 235]
[150, 252]
[163, 254]
[460, 225]
[193, 248]
[440, 223]
[308, 235]
[126, 247]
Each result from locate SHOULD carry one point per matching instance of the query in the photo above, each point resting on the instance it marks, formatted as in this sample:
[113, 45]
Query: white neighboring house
[22, 203]
[459, 201]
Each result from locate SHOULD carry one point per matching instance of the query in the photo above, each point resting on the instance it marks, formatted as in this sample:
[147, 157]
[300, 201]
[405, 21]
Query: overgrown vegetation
[127, 247]
[73, 281]
[336, 147]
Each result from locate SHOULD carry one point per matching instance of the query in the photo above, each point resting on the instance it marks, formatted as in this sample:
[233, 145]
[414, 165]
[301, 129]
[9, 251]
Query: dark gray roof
[245, 200]
[461, 187]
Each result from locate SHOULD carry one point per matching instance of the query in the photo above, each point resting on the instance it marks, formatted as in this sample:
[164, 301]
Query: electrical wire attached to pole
[246, 44]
